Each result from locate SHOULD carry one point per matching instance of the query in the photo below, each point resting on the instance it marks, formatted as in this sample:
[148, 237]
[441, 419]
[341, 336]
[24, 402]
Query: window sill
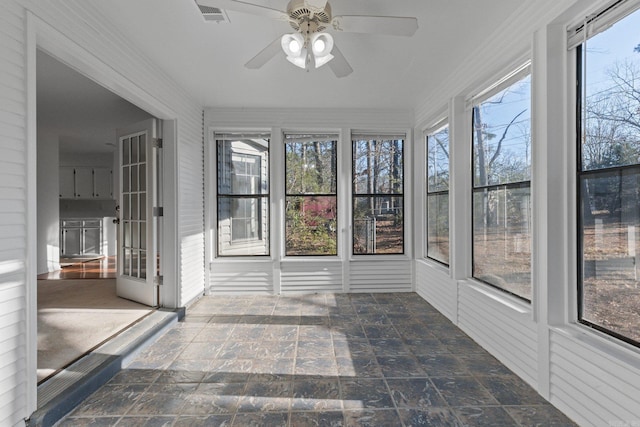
[381, 257]
[441, 268]
[607, 346]
[503, 298]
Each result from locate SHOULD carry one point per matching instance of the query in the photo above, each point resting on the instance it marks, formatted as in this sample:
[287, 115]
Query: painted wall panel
[238, 278]
[380, 276]
[435, 286]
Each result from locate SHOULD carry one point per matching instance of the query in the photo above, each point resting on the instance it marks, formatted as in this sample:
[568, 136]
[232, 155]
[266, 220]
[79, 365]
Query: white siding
[594, 387]
[239, 277]
[380, 276]
[80, 25]
[435, 286]
[501, 325]
[310, 277]
[13, 215]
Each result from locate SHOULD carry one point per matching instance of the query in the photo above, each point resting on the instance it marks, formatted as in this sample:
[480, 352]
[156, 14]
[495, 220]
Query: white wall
[48, 198]
[286, 275]
[74, 32]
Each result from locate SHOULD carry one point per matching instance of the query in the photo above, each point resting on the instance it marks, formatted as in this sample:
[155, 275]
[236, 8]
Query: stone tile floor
[315, 360]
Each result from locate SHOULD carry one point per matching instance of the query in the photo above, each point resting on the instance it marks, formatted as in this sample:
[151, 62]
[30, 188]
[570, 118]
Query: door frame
[41, 35]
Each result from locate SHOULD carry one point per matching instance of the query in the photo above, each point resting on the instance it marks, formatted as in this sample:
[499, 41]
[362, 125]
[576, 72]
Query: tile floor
[316, 360]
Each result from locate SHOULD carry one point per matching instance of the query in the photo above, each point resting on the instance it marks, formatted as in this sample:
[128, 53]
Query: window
[243, 194]
[438, 194]
[310, 195]
[608, 183]
[501, 188]
[378, 203]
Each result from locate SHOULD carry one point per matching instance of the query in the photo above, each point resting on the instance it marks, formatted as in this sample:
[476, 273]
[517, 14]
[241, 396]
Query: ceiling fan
[310, 44]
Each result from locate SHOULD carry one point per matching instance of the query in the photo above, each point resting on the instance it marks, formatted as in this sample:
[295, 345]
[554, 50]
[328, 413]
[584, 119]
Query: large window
[378, 203]
[243, 194]
[438, 194]
[310, 199]
[609, 178]
[501, 188]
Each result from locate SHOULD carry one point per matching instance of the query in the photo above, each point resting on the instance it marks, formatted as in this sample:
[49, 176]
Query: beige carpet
[75, 316]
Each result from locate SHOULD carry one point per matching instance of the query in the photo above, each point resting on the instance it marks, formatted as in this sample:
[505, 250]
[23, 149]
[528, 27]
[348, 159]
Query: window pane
[377, 166]
[612, 107]
[609, 183]
[378, 225]
[438, 227]
[438, 160]
[502, 136]
[243, 166]
[501, 238]
[310, 227]
[311, 166]
[243, 195]
[610, 241]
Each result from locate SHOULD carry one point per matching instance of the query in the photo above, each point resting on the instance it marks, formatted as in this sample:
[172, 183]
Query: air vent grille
[213, 14]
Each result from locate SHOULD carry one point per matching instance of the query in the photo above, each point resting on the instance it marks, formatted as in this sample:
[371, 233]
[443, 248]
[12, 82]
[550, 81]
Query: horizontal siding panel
[567, 400]
[437, 288]
[606, 386]
[242, 278]
[510, 336]
[380, 276]
[310, 277]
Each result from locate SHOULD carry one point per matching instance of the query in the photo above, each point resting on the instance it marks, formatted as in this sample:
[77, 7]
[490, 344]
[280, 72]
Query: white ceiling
[207, 59]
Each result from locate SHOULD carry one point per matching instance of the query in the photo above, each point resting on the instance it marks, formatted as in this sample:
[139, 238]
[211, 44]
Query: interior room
[78, 308]
[343, 212]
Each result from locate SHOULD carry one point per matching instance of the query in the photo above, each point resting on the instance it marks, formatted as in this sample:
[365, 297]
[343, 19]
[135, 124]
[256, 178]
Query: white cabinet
[80, 237]
[86, 183]
[67, 183]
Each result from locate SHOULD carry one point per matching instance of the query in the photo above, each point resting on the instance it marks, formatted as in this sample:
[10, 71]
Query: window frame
[360, 136]
[517, 74]
[609, 16]
[313, 135]
[439, 126]
[266, 197]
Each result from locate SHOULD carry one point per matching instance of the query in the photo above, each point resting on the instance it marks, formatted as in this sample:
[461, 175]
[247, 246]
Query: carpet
[75, 316]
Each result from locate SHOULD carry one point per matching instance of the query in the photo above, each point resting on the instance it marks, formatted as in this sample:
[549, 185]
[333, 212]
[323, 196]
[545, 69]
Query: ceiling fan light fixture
[292, 44]
[321, 46]
[321, 60]
[300, 60]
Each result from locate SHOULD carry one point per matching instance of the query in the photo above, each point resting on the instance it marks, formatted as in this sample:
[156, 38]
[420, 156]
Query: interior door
[137, 231]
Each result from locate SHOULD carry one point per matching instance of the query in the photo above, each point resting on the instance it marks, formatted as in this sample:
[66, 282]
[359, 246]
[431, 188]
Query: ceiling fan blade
[339, 64]
[245, 7]
[391, 25]
[265, 55]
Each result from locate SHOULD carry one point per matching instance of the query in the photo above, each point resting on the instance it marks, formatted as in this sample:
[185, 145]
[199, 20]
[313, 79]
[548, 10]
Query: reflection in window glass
[310, 199]
[609, 183]
[243, 195]
[501, 190]
[438, 195]
[378, 202]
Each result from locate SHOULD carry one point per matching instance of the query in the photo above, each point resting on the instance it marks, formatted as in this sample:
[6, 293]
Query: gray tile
[316, 395]
[88, 422]
[485, 416]
[161, 399]
[511, 390]
[110, 399]
[539, 416]
[372, 418]
[271, 396]
[416, 393]
[315, 367]
[213, 398]
[319, 348]
[429, 417]
[317, 419]
[365, 393]
[442, 365]
[358, 367]
[400, 367]
[483, 364]
[463, 391]
[352, 348]
[261, 419]
[135, 376]
[159, 421]
[389, 347]
[204, 421]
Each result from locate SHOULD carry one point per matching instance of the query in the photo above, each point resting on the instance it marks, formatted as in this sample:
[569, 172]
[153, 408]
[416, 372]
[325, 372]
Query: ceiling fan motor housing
[306, 19]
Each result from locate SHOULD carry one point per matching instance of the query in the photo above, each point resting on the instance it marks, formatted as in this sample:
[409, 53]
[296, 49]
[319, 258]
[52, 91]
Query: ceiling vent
[213, 14]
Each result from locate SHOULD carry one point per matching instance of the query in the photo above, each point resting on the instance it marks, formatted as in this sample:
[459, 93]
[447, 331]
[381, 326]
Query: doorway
[77, 305]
